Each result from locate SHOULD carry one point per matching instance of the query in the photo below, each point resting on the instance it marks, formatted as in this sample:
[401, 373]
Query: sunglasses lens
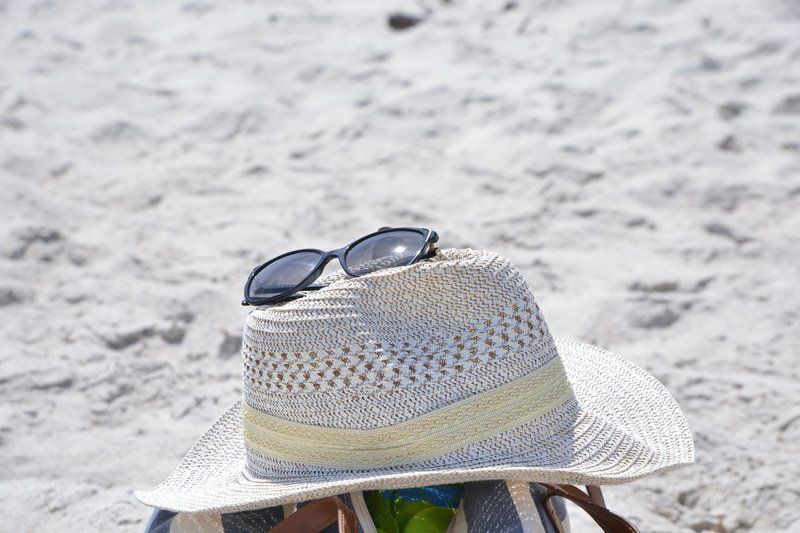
[282, 275]
[385, 250]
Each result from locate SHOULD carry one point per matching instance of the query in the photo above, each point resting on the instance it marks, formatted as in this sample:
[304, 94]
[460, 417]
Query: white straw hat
[443, 371]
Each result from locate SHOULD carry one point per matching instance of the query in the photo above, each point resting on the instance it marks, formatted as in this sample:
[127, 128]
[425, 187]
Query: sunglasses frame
[426, 251]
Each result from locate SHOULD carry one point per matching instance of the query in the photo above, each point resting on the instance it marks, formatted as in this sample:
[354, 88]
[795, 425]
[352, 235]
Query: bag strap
[593, 504]
[317, 515]
[596, 495]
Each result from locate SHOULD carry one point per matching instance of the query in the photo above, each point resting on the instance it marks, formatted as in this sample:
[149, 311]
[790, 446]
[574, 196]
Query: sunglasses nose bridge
[338, 254]
[326, 258]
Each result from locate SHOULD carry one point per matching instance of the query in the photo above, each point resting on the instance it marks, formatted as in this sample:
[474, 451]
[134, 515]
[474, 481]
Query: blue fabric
[489, 508]
[160, 521]
[442, 495]
[252, 521]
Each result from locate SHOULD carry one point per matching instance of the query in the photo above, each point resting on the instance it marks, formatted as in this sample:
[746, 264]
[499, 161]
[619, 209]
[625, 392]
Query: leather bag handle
[596, 495]
[317, 515]
[608, 521]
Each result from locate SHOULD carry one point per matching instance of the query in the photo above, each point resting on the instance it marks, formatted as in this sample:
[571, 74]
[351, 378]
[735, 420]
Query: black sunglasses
[281, 278]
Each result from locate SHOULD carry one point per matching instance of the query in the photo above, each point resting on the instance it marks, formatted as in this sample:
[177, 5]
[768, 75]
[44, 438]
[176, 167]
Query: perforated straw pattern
[369, 356]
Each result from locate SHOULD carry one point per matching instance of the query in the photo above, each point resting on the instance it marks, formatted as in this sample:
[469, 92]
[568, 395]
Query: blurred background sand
[639, 160]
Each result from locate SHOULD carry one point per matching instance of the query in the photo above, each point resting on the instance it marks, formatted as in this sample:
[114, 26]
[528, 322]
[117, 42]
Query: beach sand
[639, 160]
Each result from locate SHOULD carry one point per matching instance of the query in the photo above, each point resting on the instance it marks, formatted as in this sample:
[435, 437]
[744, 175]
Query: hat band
[429, 435]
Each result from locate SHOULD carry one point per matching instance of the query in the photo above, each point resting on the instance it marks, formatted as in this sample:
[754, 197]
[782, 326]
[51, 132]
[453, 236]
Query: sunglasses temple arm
[430, 250]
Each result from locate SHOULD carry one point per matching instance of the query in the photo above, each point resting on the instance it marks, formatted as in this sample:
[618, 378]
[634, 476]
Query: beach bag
[485, 507]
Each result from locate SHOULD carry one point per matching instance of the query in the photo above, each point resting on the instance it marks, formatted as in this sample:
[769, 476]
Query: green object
[442, 495]
[431, 520]
[407, 510]
[381, 512]
[393, 513]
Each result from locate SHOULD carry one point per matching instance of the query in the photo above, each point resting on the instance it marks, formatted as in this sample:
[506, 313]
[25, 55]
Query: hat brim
[622, 425]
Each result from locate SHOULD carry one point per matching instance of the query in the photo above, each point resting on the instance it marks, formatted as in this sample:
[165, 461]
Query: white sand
[640, 160]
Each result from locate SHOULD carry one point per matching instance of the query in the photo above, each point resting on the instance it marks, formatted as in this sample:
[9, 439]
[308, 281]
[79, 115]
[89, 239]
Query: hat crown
[464, 313]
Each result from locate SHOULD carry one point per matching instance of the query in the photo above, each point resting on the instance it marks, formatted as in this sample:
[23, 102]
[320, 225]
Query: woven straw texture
[438, 372]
